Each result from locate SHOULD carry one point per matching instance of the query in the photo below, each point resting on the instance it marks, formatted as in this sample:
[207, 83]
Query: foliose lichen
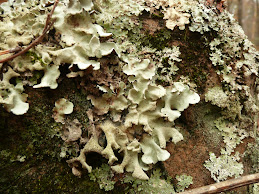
[156, 184]
[224, 166]
[133, 112]
[184, 181]
[103, 175]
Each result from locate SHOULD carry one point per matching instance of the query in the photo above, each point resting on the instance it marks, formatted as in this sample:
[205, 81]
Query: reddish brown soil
[187, 157]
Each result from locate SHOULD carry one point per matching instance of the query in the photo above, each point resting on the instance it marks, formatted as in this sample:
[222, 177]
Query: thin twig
[47, 27]
[225, 185]
[15, 50]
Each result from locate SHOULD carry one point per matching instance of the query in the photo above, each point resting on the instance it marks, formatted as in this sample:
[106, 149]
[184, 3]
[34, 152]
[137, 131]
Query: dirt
[188, 156]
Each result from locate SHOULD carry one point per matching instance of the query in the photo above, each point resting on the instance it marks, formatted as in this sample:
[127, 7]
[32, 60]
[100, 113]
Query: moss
[159, 40]
[194, 52]
[42, 166]
[34, 57]
[165, 64]
[32, 178]
[252, 155]
[157, 15]
[36, 77]
[35, 137]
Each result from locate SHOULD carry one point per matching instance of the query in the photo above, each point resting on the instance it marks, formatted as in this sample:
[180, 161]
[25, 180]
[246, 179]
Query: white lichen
[224, 166]
[62, 108]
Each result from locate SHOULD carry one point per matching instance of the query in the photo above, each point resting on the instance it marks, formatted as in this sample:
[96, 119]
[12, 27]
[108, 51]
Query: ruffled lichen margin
[135, 79]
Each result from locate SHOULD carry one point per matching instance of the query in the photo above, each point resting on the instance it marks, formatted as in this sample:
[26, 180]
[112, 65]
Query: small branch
[47, 27]
[15, 50]
[225, 185]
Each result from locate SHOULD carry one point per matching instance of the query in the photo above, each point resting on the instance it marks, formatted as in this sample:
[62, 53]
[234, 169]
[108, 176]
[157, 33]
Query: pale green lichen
[143, 111]
[103, 176]
[50, 78]
[121, 21]
[11, 96]
[13, 99]
[232, 50]
[227, 165]
[130, 109]
[184, 181]
[148, 106]
[176, 12]
[224, 166]
[255, 188]
[232, 135]
[203, 19]
[166, 63]
[154, 185]
[225, 100]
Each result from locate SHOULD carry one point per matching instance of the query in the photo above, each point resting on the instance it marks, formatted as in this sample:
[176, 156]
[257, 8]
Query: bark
[35, 148]
[240, 12]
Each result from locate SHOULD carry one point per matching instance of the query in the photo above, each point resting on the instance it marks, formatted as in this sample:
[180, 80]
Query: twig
[15, 50]
[225, 185]
[47, 27]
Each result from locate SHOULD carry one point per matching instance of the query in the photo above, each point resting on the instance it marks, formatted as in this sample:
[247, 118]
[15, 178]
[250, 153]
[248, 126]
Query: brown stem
[225, 185]
[15, 50]
[47, 27]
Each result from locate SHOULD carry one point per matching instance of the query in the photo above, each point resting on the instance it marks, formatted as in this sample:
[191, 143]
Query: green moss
[159, 40]
[37, 75]
[34, 57]
[28, 177]
[20, 65]
[35, 137]
[158, 15]
[195, 57]
[252, 155]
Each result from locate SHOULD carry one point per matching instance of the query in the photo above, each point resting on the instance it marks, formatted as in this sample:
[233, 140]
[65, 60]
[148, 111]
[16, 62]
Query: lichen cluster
[129, 82]
[184, 181]
[155, 184]
[137, 114]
